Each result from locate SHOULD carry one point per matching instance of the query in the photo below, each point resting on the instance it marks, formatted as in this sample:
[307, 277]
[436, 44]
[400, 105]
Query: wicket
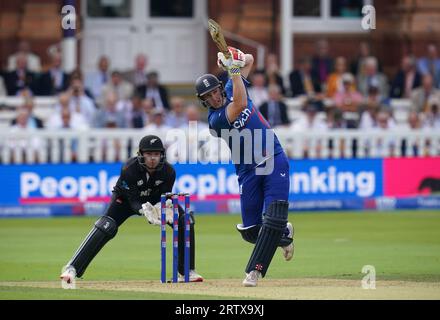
[163, 243]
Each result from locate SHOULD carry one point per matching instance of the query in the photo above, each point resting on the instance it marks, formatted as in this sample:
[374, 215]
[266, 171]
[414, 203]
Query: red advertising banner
[411, 176]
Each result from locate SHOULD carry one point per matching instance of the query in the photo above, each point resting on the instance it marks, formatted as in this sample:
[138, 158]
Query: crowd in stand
[337, 93]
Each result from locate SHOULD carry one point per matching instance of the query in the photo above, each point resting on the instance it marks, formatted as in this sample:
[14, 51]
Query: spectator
[421, 96]
[137, 117]
[258, 91]
[369, 116]
[334, 81]
[384, 121]
[80, 102]
[137, 77]
[155, 91]
[108, 116]
[413, 123]
[157, 125]
[310, 121]
[407, 79]
[193, 115]
[275, 110]
[122, 88]
[380, 146]
[356, 65]
[55, 80]
[96, 80]
[77, 74]
[32, 121]
[2, 87]
[21, 78]
[32, 60]
[64, 117]
[177, 117]
[335, 119]
[28, 145]
[303, 81]
[431, 64]
[273, 75]
[148, 108]
[374, 96]
[348, 100]
[200, 141]
[322, 64]
[432, 118]
[372, 76]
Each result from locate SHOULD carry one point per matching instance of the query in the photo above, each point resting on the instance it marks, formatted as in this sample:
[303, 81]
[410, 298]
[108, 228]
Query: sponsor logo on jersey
[145, 193]
[242, 119]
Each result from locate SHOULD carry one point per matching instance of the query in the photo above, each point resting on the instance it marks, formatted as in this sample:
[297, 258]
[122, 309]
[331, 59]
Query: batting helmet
[206, 84]
[151, 143]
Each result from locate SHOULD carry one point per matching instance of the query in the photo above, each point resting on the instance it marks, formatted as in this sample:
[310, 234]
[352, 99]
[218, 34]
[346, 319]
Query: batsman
[263, 181]
[137, 192]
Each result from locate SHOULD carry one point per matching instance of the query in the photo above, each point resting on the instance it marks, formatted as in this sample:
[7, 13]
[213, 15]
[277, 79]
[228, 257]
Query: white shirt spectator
[83, 105]
[309, 123]
[77, 121]
[33, 62]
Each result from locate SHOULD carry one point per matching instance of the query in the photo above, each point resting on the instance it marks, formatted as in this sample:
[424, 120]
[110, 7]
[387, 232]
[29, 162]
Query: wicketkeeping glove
[153, 213]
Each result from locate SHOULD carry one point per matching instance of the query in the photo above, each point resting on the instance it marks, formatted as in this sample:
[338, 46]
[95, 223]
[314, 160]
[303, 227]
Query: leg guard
[250, 234]
[192, 241]
[274, 225]
[104, 230]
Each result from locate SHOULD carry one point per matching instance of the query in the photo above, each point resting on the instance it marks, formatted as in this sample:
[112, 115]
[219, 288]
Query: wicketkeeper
[137, 192]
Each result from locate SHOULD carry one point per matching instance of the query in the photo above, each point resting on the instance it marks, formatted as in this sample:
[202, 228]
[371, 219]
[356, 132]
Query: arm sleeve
[132, 192]
[169, 183]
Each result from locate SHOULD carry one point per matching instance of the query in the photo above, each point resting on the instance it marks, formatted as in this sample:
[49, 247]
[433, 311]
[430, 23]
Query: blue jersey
[256, 144]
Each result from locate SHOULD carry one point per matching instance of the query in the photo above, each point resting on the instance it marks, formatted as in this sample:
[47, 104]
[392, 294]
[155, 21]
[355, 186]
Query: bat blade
[217, 36]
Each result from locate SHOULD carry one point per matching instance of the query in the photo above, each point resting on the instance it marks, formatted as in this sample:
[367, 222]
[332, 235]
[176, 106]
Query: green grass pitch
[402, 246]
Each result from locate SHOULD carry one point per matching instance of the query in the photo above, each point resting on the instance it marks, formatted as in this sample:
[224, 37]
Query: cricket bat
[217, 36]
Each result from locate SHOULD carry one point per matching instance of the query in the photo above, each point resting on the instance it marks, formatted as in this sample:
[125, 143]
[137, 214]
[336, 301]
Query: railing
[110, 145]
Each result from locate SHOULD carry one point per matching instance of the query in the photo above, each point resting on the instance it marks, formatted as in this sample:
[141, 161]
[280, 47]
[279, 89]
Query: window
[346, 8]
[171, 8]
[307, 8]
[109, 8]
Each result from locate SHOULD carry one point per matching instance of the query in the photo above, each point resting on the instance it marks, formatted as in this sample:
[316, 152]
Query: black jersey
[137, 186]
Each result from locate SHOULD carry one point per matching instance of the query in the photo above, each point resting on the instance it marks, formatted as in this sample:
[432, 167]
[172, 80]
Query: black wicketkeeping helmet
[206, 84]
[151, 143]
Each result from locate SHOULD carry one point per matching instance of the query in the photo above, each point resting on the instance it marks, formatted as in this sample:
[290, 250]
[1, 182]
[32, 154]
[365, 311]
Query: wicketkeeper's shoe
[288, 250]
[251, 278]
[193, 277]
[68, 275]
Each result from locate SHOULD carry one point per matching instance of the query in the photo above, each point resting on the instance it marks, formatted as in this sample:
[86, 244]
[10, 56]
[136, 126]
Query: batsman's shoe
[68, 275]
[251, 278]
[288, 250]
[193, 277]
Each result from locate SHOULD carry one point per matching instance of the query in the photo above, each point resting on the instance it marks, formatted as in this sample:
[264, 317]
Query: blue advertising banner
[82, 189]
